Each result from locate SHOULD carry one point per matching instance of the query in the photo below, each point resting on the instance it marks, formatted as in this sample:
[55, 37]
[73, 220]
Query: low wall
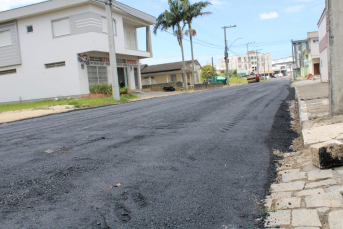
[174, 84]
[205, 86]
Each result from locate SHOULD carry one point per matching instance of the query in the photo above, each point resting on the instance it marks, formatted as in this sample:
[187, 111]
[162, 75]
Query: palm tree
[193, 11]
[173, 19]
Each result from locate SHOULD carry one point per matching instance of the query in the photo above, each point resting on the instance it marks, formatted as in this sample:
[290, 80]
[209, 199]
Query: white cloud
[270, 15]
[295, 9]
[10, 4]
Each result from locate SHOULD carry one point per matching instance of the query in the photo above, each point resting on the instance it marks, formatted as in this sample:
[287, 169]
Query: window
[55, 65]
[173, 77]
[130, 39]
[97, 75]
[99, 59]
[316, 41]
[104, 26]
[7, 72]
[29, 29]
[61, 27]
[5, 38]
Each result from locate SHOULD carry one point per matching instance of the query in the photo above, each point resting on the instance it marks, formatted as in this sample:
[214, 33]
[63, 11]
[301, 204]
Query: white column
[139, 76]
[131, 75]
[148, 41]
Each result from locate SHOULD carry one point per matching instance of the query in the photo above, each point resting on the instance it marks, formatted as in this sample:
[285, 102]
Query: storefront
[98, 70]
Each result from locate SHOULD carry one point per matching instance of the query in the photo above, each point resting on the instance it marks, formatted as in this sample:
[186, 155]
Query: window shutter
[61, 27]
[133, 40]
[127, 39]
[5, 38]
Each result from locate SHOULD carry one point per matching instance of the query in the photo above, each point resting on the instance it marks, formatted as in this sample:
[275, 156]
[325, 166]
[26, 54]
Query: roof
[300, 41]
[322, 17]
[165, 69]
[53, 5]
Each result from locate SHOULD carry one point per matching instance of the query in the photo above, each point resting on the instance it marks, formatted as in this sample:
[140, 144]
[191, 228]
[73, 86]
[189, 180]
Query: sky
[270, 24]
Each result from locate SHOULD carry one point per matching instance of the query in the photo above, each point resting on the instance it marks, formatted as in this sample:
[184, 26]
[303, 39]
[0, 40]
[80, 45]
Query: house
[323, 51]
[247, 63]
[312, 54]
[300, 63]
[170, 72]
[59, 48]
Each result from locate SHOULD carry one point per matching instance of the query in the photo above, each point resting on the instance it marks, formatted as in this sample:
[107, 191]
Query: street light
[234, 42]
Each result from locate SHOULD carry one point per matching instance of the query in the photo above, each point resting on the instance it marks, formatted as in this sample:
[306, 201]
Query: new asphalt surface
[197, 160]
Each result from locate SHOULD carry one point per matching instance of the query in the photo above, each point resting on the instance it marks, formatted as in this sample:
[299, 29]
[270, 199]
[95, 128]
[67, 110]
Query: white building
[283, 65]
[58, 48]
[324, 72]
[247, 63]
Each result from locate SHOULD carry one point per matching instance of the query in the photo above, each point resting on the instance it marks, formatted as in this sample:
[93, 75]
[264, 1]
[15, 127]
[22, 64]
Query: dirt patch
[10, 116]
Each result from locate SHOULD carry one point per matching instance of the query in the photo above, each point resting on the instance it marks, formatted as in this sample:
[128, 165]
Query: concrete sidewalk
[305, 195]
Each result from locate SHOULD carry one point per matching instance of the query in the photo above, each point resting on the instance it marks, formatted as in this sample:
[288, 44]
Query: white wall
[33, 81]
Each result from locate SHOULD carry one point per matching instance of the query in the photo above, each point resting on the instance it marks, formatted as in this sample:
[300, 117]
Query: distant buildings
[283, 66]
[247, 63]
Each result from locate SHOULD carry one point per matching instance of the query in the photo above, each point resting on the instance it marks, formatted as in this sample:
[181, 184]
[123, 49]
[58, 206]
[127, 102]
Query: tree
[206, 72]
[173, 19]
[193, 11]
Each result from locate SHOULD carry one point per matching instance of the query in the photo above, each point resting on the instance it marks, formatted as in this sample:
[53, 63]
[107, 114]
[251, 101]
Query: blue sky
[271, 24]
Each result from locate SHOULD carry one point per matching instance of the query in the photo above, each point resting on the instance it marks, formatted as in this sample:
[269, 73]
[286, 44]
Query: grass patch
[237, 81]
[77, 102]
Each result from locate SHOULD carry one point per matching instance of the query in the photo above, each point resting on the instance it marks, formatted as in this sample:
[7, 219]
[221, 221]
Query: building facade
[312, 55]
[283, 66]
[247, 63]
[59, 48]
[170, 72]
[300, 64]
[323, 50]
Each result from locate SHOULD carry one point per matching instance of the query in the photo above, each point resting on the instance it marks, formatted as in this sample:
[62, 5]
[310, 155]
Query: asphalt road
[197, 160]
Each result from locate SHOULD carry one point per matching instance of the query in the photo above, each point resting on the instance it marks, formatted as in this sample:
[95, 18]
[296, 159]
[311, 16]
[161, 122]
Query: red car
[254, 78]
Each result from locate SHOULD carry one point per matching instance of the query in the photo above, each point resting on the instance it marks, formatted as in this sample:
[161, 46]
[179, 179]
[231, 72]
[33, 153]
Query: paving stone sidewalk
[305, 196]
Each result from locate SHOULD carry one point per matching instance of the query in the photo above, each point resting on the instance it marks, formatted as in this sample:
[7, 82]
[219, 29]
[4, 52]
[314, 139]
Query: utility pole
[226, 54]
[264, 65]
[268, 66]
[112, 50]
[247, 44]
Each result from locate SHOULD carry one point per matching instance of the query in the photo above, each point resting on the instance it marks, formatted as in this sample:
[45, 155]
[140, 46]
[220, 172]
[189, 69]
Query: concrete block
[282, 217]
[336, 219]
[310, 192]
[288, 203]
[305, 218]
[335, 189]
[293, 176]
[321, 183]
[323, 210]
[320, 175]
[327, 155]
[290, 186]
[333, 200]
[279, 195]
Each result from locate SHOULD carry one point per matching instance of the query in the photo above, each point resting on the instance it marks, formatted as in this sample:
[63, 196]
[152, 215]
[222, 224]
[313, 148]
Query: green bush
[106, 89]
[124, 90]
[101, 89]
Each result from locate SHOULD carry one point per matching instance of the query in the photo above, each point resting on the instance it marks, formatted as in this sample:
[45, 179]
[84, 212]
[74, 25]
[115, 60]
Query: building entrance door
[122, 77]
[316, 69]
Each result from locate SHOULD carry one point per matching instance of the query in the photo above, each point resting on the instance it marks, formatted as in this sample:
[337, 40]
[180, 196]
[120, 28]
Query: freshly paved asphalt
[198, 160]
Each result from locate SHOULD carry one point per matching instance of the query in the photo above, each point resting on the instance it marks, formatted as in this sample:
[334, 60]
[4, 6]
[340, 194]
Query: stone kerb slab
[327, 154]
